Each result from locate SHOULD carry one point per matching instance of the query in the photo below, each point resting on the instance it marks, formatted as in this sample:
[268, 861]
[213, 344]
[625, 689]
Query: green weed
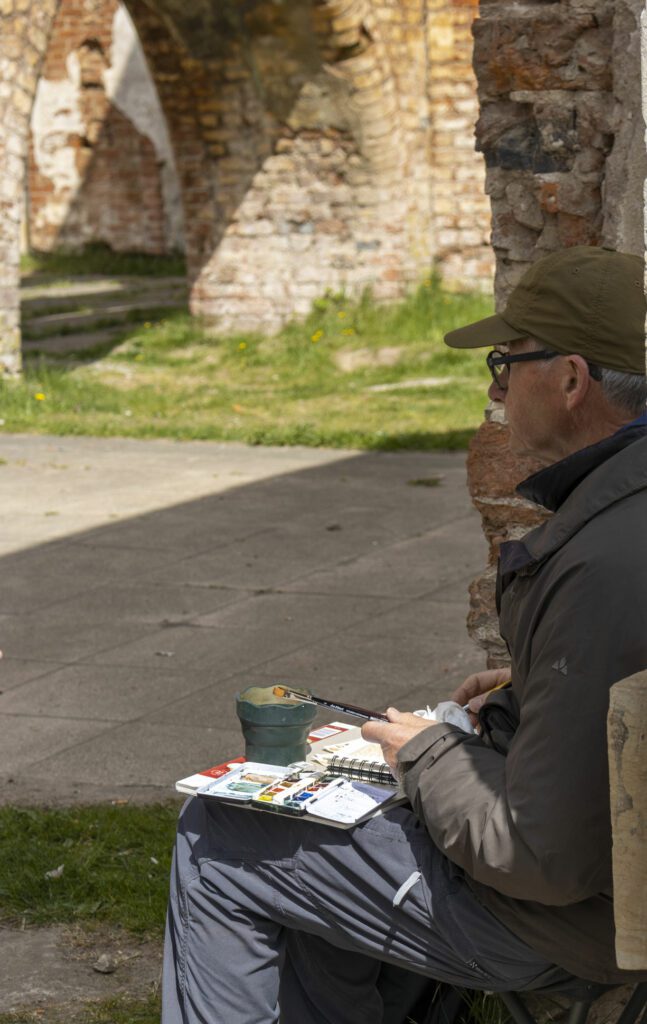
[353, 375]
[100, 259]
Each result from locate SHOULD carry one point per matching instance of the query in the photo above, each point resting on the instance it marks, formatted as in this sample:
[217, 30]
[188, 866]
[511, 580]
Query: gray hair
[628, 391]
[625, 391]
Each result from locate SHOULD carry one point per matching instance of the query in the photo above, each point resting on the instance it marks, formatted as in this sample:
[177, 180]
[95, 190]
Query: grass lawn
[116, 862]
[353, 375]
[100, 259]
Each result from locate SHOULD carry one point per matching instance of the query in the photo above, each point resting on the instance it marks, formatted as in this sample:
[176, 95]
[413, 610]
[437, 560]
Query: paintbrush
[333, 705]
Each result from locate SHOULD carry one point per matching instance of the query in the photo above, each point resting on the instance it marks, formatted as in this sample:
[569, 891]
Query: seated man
[498, 876]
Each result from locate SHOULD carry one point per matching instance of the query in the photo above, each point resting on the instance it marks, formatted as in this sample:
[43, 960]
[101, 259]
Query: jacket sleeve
[535, 825]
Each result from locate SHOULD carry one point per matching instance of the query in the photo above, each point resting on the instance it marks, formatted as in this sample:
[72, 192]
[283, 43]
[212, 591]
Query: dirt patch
[350, 360]
[50, 973]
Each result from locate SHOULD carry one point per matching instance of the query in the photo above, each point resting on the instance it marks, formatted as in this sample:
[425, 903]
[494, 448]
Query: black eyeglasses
[498, 363]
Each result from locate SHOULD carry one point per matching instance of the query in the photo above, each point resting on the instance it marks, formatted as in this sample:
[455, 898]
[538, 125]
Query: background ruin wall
[318, 144]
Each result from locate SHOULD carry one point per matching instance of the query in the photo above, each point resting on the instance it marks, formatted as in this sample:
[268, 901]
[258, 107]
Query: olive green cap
[583, 300]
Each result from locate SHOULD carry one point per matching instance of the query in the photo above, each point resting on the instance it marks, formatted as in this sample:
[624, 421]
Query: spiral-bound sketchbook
[353, 758]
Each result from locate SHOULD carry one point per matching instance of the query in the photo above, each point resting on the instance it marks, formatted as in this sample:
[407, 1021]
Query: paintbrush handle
[333, 705]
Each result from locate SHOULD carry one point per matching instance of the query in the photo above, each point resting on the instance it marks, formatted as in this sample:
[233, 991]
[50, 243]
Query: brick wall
[341, 132]
[304, 134]
[99, 153]
[460, 207]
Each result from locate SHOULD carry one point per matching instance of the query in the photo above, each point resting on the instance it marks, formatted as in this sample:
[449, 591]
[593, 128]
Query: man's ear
[576, 381]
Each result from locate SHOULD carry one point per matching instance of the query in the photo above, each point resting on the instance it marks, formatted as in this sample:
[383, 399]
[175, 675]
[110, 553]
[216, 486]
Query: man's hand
[392, 735]
[477, 686]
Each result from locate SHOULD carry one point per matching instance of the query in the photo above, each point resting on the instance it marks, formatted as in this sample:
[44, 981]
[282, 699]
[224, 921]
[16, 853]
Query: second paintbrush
[333, 705]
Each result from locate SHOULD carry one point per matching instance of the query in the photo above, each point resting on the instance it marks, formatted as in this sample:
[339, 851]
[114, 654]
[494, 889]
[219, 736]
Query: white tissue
[448, 711]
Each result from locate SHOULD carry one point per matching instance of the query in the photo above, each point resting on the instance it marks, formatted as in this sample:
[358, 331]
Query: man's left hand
[392, 735]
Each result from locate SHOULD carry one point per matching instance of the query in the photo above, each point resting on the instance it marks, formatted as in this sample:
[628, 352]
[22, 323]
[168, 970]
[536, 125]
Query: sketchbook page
[351, 801]
[361, 750]
[352, 744]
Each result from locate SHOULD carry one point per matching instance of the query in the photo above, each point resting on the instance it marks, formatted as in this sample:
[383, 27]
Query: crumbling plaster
[129, 85]
[58, 209]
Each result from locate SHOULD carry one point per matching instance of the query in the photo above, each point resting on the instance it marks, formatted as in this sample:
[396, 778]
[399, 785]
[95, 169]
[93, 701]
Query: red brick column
[493, 473]
[560, 124]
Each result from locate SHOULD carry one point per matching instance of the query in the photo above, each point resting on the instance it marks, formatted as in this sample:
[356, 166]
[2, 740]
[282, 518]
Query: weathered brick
[542, 48]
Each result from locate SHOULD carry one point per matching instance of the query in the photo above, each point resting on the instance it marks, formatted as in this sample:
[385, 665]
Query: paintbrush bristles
[283, 691]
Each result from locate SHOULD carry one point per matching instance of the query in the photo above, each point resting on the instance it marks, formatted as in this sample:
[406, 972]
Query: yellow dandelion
[348, 330]
[242, 346]
[317, 336]
[39, 396]
[341, 314]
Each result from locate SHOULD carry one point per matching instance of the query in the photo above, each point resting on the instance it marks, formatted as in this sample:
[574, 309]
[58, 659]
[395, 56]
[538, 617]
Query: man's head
[571, 339]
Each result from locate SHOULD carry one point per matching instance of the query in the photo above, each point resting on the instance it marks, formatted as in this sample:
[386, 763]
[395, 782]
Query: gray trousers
[268, 912]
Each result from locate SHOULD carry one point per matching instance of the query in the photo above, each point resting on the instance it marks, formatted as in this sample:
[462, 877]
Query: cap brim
[491, 331]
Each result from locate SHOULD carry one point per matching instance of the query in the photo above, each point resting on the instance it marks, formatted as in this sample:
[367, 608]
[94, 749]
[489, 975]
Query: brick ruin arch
[307, 136]
[323, 144]
[101, 167]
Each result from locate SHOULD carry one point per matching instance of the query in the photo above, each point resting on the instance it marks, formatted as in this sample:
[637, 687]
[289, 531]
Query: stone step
[44, 305]
[73, 321]
[67, 344]
[45, 289]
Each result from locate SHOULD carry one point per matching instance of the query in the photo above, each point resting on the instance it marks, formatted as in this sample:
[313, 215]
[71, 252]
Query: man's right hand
[476, 687]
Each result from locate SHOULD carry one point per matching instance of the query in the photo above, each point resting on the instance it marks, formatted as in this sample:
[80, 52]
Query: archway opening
[102, 194]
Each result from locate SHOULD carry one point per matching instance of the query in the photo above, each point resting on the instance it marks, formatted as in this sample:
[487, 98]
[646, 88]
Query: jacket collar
[552, 485]
[580, 486]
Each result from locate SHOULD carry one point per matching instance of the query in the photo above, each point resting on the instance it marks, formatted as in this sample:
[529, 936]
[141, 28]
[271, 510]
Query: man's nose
[495, 393]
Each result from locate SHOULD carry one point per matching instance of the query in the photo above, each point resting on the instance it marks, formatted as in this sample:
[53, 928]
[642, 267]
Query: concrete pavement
[144, 583]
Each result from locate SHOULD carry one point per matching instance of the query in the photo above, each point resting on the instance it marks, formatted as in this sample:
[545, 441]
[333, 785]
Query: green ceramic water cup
[274, 733]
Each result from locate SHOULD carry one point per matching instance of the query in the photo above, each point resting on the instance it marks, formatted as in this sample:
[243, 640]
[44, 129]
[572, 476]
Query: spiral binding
[361, 770]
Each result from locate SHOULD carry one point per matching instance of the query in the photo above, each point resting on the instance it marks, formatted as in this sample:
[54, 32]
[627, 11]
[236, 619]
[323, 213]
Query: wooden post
[627, 740]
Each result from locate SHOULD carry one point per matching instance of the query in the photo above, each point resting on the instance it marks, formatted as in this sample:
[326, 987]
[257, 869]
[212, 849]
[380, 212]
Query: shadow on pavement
[125, 645]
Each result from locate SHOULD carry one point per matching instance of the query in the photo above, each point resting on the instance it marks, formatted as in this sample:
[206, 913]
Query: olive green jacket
[523, 809]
